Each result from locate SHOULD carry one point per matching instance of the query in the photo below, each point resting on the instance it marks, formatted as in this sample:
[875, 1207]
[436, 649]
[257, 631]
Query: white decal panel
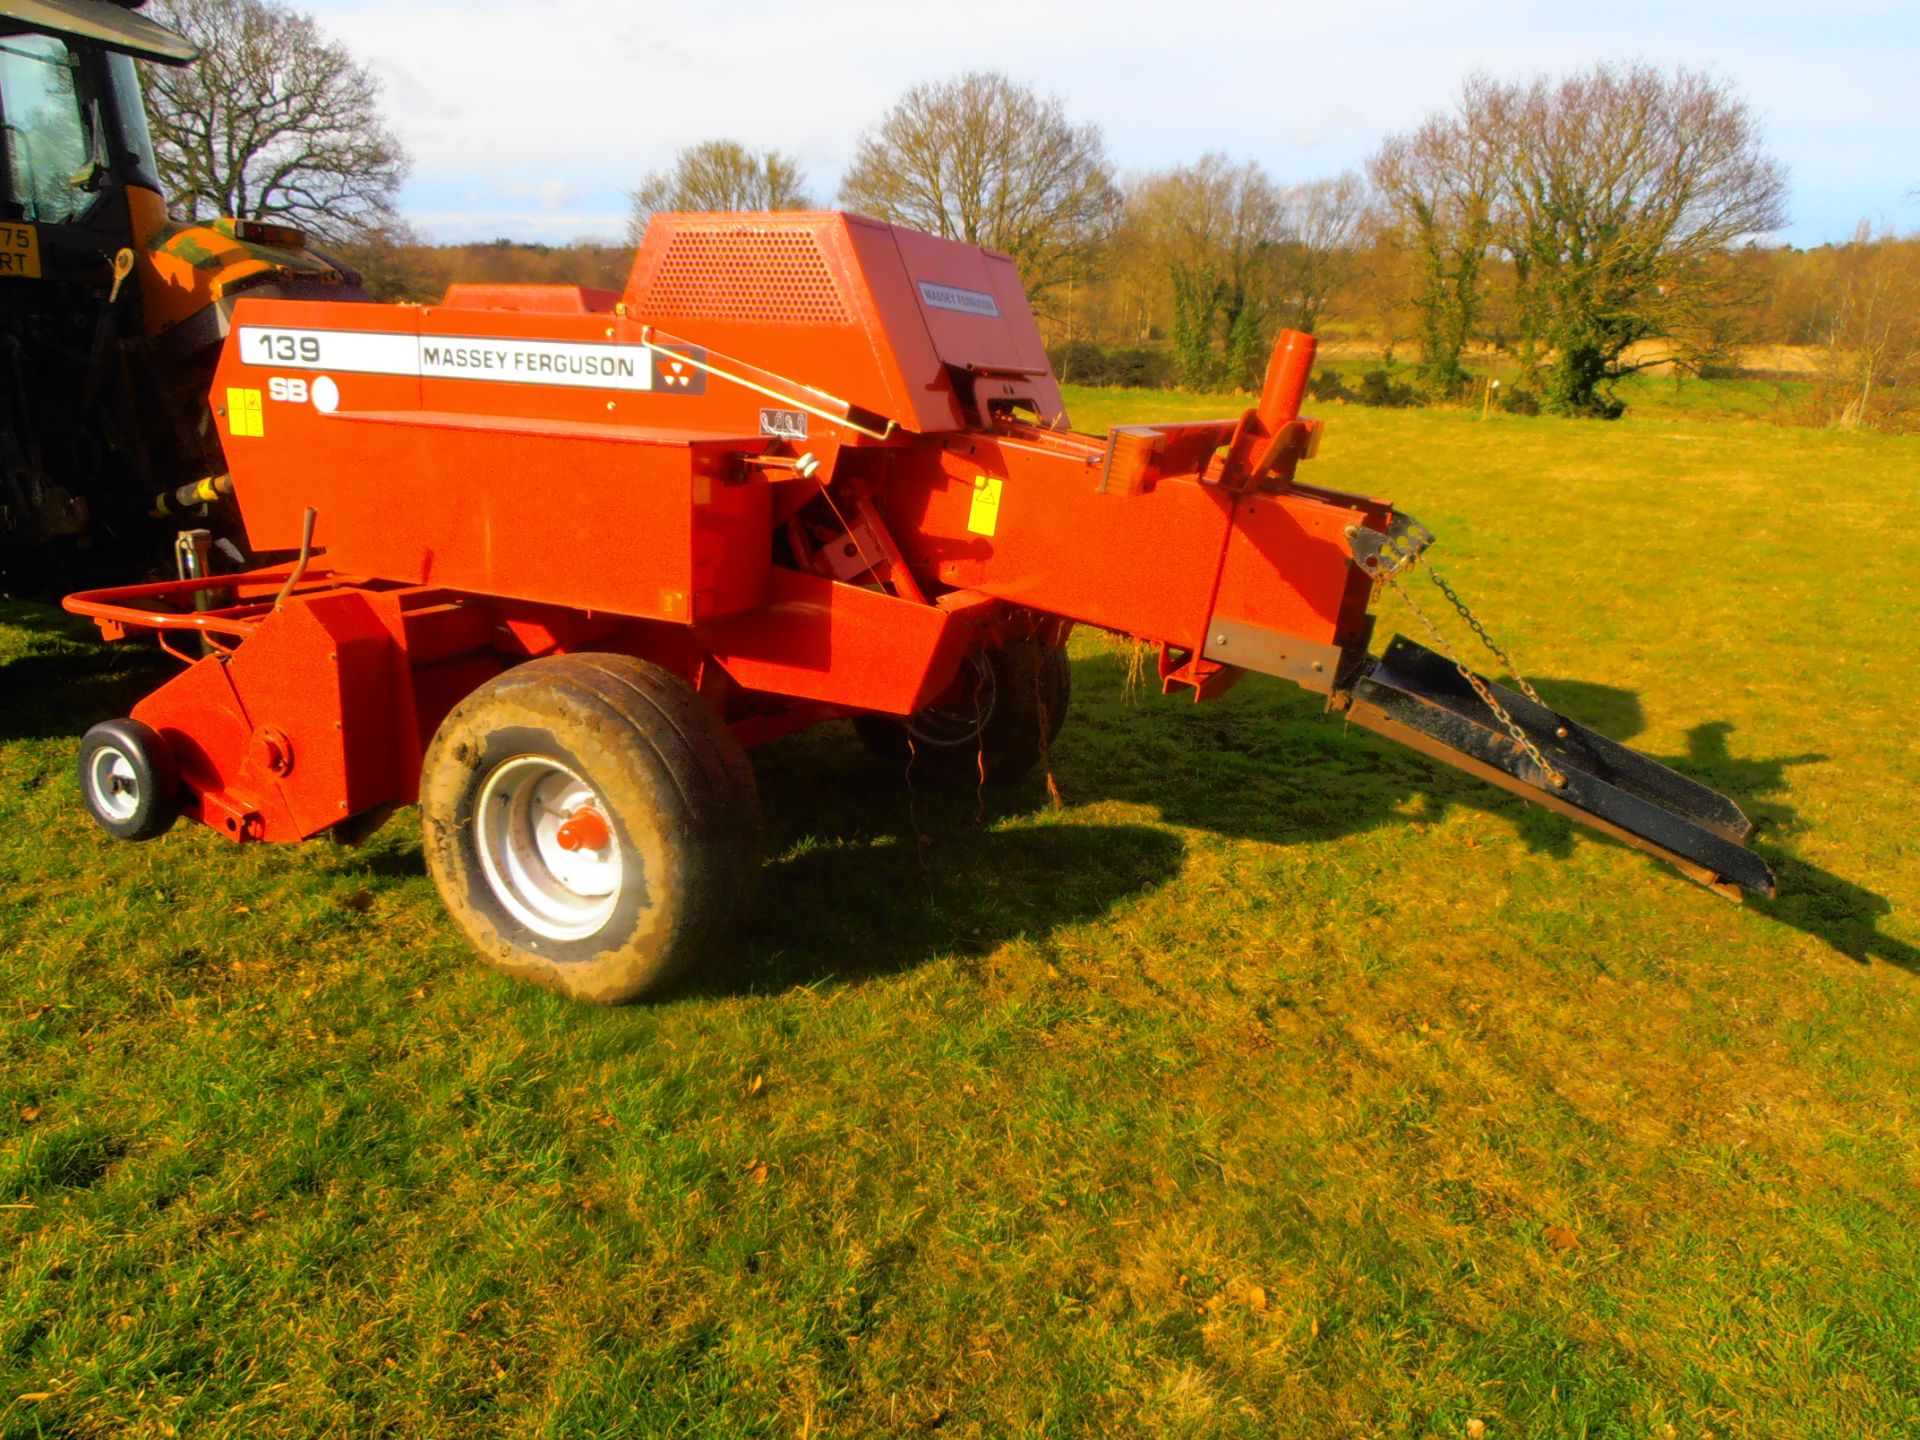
[966, 302]
[582, 365]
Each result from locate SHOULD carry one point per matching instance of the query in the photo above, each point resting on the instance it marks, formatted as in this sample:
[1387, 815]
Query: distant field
[1647, 396]
[1281, 1084]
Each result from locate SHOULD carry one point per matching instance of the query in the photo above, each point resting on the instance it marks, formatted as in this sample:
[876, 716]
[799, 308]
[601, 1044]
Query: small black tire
[627, 750]
[1018, 694]
[129, 780]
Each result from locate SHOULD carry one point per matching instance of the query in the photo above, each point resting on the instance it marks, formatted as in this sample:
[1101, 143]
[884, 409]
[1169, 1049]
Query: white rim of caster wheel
[548, 847]
[113, 784]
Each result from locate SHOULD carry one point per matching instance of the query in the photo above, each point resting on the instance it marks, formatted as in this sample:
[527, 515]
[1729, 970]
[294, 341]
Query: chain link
[1480, 687]
[1485, 639]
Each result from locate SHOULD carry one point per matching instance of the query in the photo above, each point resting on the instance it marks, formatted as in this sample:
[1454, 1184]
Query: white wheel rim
[559, 893]
[115, 784]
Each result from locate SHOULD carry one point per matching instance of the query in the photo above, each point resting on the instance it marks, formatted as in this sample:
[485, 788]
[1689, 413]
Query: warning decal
[245, 417]
[984, 516]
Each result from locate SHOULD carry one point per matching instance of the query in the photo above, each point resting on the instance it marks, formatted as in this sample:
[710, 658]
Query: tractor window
[51, 159]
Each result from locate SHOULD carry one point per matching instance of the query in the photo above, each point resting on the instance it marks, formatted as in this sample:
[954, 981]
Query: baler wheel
[1015, 693]
[591, 824]
[128, 780]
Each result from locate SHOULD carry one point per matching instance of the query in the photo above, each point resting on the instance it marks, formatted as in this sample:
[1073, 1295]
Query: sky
[532, 121]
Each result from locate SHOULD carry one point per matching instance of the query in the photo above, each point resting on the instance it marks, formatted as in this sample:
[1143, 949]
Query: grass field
[1280, 1084]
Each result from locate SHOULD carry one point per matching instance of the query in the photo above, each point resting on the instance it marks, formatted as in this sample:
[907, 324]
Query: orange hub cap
[585, 829]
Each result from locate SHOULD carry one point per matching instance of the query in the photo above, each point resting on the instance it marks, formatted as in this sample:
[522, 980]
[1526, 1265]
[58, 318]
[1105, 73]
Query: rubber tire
[1032, 687]
[154, 771]
[679, 792]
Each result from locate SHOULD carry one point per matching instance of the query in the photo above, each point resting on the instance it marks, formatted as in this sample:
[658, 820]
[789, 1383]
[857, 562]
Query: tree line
[1576, 228]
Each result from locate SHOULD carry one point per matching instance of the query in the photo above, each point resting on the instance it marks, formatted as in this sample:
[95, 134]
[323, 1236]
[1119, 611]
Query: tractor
[560, 557]
[112, 316]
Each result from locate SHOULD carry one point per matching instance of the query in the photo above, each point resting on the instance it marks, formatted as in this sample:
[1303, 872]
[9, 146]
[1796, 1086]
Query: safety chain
[1480, 687]
[1485, 639]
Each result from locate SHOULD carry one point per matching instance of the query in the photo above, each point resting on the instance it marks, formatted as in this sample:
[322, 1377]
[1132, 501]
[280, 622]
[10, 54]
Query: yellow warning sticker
[244, 415]
[984, 517]
[20, 251]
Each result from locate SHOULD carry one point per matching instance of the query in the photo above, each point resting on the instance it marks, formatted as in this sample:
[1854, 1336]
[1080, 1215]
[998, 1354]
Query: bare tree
[1870, 371]
[275, 122]
[1326, 227]
[988, 161]
[1214, 227]
[720, 175]
[1625, 186]
[1439, 185]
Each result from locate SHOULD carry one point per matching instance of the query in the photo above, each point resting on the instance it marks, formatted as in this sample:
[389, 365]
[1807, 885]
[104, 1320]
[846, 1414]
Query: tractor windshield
[51, 152]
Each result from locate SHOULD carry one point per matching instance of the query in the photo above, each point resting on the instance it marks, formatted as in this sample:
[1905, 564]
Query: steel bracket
[1383, 554]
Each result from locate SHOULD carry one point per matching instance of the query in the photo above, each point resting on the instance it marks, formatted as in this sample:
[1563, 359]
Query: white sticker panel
[450, 357]
[966, 302]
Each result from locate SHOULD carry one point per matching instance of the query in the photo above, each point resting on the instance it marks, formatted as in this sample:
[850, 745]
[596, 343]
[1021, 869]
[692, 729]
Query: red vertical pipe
[1287, 374]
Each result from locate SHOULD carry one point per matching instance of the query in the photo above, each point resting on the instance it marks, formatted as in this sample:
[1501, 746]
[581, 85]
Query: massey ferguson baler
[548, 561]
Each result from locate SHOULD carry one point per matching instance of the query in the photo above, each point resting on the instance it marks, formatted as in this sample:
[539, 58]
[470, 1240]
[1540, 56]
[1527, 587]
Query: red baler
[548, 560]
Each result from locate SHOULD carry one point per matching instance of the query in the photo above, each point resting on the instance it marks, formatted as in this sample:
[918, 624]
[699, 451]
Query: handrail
[125, 605]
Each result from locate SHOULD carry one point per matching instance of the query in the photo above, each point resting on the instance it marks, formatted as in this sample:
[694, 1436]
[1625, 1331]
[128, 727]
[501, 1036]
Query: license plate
[19, 251]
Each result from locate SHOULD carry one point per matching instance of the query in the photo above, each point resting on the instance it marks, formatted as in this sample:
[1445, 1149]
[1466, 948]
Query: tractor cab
[80, 180]
[79, 192]
[111, 313]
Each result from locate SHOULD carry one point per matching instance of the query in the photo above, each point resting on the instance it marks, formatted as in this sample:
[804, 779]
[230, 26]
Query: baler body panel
[1142, 565]
[1159, 564]
[1287, 567]
[857, 649]
[521, 490]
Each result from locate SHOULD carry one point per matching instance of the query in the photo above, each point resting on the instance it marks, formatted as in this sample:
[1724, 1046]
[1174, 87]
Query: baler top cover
[890, 314]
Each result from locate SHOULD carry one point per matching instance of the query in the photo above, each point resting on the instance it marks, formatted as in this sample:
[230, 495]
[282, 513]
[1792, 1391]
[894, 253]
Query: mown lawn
[1280, 1084]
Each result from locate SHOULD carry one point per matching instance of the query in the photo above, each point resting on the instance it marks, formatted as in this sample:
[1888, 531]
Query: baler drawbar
[547, 561]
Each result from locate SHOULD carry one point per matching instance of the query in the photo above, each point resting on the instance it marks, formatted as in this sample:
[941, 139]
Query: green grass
[1280, 1084]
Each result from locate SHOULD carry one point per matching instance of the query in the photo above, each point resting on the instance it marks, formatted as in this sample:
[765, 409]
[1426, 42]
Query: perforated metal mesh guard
[774, 276]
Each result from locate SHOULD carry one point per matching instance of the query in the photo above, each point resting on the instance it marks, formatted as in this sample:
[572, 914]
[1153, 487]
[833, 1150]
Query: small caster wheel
[129, 780]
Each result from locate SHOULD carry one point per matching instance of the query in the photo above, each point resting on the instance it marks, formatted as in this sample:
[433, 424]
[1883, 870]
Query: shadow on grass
[1844, 915]
[848, 893]
[1833, 910]
[1287, 773]
[63, 678]
[850, 908]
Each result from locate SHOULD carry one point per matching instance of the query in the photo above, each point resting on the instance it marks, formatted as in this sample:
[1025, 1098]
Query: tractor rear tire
[1018, 695]
[591, 824]
[128, 780]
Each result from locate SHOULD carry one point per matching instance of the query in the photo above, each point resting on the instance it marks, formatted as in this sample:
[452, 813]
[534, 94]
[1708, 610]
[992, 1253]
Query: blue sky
[533, 120]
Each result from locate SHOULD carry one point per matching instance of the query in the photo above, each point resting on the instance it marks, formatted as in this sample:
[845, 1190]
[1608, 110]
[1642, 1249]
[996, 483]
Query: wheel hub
[585, 829]
[115, 784]
[547, 848]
